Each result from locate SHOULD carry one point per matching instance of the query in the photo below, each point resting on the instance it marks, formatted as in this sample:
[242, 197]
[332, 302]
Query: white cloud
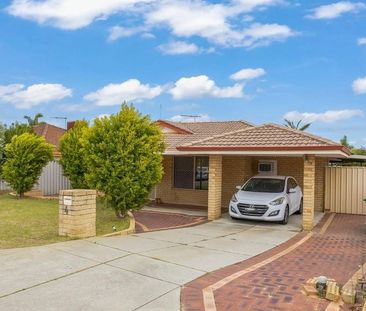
[26, 97]
[130, 90]
[179, 47]
[359, 86]
[69, 14]
[223, 23]
[327, 116]
[201, 86]
[191, 118]
[335, 10]
[213, 22]
[361, 41]
[117, 32]
[248, 73]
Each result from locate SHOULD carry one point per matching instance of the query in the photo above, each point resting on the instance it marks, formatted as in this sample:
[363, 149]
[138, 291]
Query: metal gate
[345, 189]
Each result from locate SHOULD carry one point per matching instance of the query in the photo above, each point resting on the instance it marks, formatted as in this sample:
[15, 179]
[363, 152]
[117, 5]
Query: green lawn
[30, 222]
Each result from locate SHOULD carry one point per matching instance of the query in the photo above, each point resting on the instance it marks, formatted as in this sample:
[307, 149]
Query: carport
[203, 169]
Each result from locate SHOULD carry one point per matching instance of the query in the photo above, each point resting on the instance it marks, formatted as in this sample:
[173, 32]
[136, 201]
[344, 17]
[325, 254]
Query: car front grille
[252, 209]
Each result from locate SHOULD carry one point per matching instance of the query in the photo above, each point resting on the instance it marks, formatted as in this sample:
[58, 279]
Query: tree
[297, 126]
[26, 155]
[124, 158]
[7, 134]
[73, 154]
[35, 120]
[344, 142]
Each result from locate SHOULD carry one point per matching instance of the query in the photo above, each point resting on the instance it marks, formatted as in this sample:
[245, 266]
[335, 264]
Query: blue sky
[257, 60]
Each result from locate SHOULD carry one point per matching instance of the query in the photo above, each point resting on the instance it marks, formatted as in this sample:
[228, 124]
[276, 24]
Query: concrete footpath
[138, 272]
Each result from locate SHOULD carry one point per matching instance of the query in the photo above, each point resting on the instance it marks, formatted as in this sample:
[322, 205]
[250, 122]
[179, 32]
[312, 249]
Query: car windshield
[271, 185]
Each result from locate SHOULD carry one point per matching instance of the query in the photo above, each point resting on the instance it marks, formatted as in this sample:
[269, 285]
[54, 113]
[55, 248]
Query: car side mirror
[292, 190]
[238, 187]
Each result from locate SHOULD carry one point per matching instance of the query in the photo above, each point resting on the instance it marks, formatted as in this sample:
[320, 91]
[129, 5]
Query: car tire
[299, 211]
[234, 218]
[286, 216]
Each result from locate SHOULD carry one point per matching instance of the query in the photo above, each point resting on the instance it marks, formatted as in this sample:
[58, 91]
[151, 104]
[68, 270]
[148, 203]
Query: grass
[31, 222]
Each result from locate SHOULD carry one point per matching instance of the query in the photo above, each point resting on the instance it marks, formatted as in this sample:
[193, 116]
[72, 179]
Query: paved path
[142, 272]
[273, 280]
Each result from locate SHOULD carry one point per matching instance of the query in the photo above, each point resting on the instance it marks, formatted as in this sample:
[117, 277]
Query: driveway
[138, 272]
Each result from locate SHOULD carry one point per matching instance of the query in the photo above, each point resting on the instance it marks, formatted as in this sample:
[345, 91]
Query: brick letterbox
[77, 213]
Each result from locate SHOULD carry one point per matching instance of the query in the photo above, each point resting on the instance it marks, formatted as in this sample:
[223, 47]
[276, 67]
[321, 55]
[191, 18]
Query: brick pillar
[214, 187]
[77, 213]
[309, 193]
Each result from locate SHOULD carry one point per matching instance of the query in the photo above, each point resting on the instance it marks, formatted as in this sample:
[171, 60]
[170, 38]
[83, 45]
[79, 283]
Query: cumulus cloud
[359, 86]
[69, 14]
[327, 116]
[334, 10]
[224, 24]
[361, 41]
[179, 47]
[130, 90]
[26, 97]
[191, 118]
[248, 74]
[202, 86]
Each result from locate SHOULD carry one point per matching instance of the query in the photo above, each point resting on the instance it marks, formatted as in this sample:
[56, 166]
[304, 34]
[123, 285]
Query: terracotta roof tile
[51, 133]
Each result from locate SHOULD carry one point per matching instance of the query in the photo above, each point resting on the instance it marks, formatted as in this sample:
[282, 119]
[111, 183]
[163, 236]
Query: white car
[269, 198]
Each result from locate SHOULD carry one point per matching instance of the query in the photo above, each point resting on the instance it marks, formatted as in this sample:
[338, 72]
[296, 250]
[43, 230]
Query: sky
[254, 60]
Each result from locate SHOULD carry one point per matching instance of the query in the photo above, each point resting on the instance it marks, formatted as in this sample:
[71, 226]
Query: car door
[292, 194]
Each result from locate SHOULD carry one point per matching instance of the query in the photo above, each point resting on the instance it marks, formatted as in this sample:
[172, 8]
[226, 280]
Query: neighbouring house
[205, 161]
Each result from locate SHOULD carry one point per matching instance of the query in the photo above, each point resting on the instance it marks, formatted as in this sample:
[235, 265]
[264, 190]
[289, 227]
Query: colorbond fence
[345, 189]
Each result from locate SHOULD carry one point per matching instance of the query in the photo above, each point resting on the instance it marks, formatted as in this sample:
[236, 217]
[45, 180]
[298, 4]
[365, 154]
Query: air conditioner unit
[267, 167]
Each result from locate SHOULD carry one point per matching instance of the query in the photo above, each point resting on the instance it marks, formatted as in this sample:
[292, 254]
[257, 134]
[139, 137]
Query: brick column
[309, 193]
[77, 213]
[214, 187]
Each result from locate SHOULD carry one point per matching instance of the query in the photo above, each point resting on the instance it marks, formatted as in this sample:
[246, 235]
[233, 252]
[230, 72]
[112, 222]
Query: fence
[345, 189]
[51, 181]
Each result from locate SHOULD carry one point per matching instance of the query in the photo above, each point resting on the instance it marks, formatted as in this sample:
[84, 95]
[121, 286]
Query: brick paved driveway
[147, 221]
[267, 282]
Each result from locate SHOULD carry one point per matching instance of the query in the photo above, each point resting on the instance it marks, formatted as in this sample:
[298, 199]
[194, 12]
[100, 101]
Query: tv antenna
[192, 116]
[61, 118]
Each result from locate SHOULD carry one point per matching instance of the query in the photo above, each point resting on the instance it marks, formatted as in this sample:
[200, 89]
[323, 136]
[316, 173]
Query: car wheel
[301, 207]
[286, 216]
[234, 218]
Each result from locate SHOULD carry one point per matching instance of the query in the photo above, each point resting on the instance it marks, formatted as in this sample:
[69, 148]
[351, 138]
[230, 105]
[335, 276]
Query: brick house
[205, 161]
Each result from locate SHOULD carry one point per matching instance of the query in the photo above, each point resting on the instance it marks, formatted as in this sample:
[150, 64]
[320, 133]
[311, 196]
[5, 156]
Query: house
[205, 161]
[52, 134]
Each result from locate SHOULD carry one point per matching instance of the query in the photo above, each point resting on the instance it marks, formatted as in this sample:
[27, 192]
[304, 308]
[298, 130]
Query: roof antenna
[194, 117]
[60, 118]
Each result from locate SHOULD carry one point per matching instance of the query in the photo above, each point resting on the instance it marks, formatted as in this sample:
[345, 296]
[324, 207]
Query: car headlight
[234, 199]
[277, 201]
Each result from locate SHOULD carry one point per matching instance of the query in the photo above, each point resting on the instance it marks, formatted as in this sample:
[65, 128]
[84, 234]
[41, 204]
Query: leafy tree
[297, 126]
[2, 144]
[124, 158]
[359, 151]
[16, 129]
[35, 120]
[344, 142]
[26, 155]
[73, 154]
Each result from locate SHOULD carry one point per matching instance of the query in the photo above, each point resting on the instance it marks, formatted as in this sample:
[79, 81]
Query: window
[270, 185]
[191, 172]
[183, 172]
[201, 177]
[267, 167]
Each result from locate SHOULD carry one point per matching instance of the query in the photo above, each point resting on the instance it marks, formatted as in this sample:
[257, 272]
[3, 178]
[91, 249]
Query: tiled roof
[234, 136]
[51, 133]
[183, 133]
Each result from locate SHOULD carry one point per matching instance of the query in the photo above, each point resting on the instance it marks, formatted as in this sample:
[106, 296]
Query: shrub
[73, 155]
[124, 158]
[26, 155]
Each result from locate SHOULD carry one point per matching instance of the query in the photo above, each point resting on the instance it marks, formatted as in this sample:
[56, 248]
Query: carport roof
[239, 137]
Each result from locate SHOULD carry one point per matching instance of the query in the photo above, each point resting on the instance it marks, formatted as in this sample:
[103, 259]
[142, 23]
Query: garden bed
[31, 222]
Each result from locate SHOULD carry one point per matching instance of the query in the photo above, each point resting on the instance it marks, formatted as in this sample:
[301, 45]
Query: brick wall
[168, 194]
[320, 165]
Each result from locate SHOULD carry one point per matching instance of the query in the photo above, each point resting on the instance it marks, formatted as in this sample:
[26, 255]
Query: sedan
[269, 198]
